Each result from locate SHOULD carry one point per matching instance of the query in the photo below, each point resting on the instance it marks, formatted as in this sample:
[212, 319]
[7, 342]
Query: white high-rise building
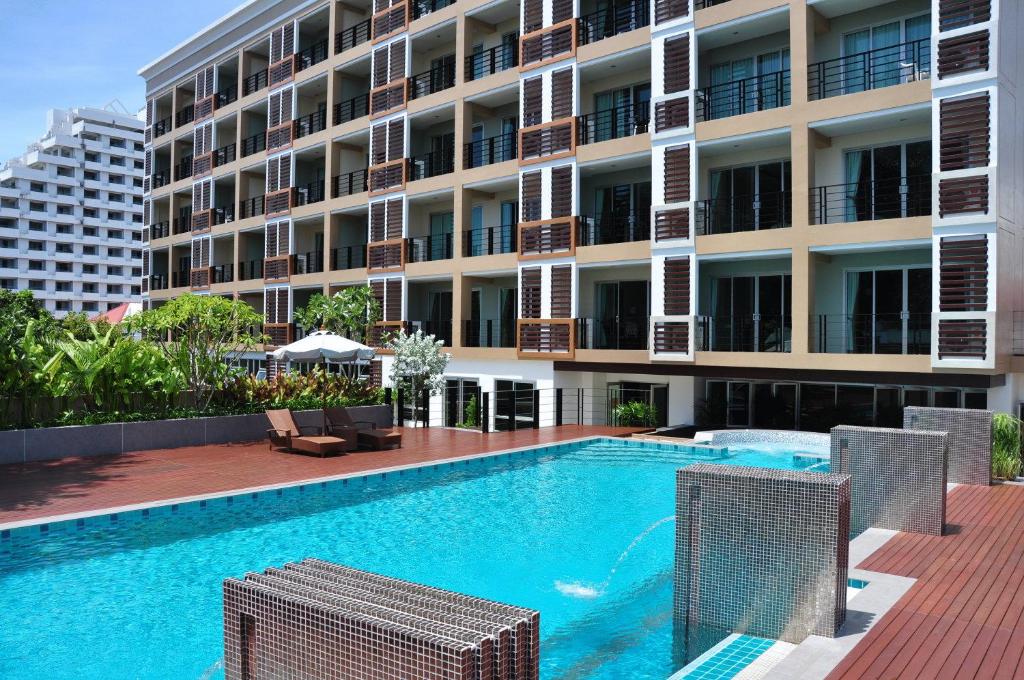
[71, 213]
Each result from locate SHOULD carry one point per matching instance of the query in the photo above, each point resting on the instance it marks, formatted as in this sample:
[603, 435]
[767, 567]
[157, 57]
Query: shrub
[469, 414]
[300, 391]
[1006, 445]
[635, 414]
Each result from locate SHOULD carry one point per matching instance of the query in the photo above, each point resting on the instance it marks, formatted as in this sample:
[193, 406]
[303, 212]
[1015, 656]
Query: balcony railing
[611, 21]
[252, 269]
[614, 227]
[185, 116]
[308, 193]
[421, 8]
[499, 58]
[730, 214]
[703, 4]
[251, 207]
[621, 121]
[254, 144]
[757, 93]
[351, 109]
[308, 263]
[224, 155]
[350, 183]
[157, 282]
[489, 333]
[355, 34]
[896, 333]
[429, 248]
[747, 333]
[311, 56]
[495, 149]
[227, 95]
[222, 273]
[310, 124]
[184, 168]
[183, 222]
[160, 230]
[224, 214]
[617, 332]
[880, 67]
[180, 279]
[433, 163]
[439, 78]
[489, 240]
[161, 127]
[348, 257]
[160, 178]
[441, 330]
[881, 199]
[254, 83]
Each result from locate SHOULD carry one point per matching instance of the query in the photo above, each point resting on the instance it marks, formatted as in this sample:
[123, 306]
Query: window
[34, 284]
[89, 212]
[90, 307]
[137, 183]
[64, 248]
[140, 165]
[8, 243]
[117, 160]
[88, 269]
[65, 210]
[64, 268]
[115, 216]
[89, 287]
[65, 191]
[37, 246]
[115, 233]
[114, 289]
[90, 174]
[89, 231]
[37, 206]
[38, 186]
[136, 254]
[139, 146]
[115, 252]
[91, 193]
[116, 143]
[92, 157]
[886, 182]
[9, 284]
[62, 286]
[136, 290]
[63, 305]
[136, 271]
[36, 225]
[115, 198]
[66, 172]
[36, 266]
[88, 250]
[117, 179]
[8, 263]
[64, 229]
[137, 219]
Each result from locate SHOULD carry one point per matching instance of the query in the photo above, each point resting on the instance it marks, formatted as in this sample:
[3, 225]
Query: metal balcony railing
[308, 263]
[881, 199]
[747, 95]
[251, 207]
[429, 248]
[744, 333]
[439, 78]
[310, 124]
[433, 163]
[421, 8]
[311, 56]
[161, 127]
[489, 333]
[614, 227]
[183, 222]
[308, 193]
[157, 282]
[355, 34]
[490, 61]
[348, 257]
[495, 149]
[351, 109]
[621, 121]
[160, 178]
[227, 95]
[249, 270]
[160, 229]
[617, 332]
[224, 214]
[895, 333]
[489, 240]
[873, 69]
[255, 82]
[704, 4]
[222, 273]
[184, 168]
[185, 115]
[752, 212]
[441, 330]
[224, 155]
[254, 144]
[350, 183]
[611, 21]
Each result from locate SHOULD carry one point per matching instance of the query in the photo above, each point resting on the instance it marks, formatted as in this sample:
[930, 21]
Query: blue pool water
[138, 595]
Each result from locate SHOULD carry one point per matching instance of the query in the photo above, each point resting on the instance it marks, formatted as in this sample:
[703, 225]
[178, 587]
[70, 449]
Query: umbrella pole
[323, 395]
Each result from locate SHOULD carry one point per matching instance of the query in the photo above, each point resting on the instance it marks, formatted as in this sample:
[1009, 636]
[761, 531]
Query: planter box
[52, 443]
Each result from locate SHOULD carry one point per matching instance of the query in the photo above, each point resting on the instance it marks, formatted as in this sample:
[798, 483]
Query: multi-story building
[71, 213]
[762, 212]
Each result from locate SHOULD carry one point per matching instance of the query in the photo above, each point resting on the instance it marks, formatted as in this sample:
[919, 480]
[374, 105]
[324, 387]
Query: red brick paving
[35, 490]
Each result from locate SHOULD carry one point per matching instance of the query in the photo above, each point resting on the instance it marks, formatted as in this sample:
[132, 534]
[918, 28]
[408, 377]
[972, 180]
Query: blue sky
[64, 53]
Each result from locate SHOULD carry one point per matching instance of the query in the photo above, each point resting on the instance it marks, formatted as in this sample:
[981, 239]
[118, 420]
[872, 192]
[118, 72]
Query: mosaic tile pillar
[759, 551]
[969, 440]
[897, 477]
[315, 619]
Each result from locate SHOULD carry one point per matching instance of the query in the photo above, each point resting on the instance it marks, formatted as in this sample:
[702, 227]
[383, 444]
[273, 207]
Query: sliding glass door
[888, 311]
[751, 313]
[748, 198]
[887, 182]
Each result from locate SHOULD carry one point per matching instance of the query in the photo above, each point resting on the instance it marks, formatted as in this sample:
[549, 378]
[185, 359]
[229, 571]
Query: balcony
[489, 241]
[160, 230]
[181, 279]
[495, 149]
[351, 109]
[870, 70]
[614, 227]
[619, 332]
[251, 207]
[224, 214]
[158, 282]
[744, 333]
[611, 21]
[879, 199]
[311, 56]
[433, 163]
[250, 270]
[224, 155]
[310, 124]
[439, 78]
[429, 248]
[161, 127]
[308, 263]
[489, 333]
[491, 61]
[350, 183]
[255, 82]
[348, 257]
[747, 95]
[183, 169]
[222, 273]
[254, 144]
[308, 193]
[161, 178]
[704, 4]
[185, 116]
[621, 121]
[421, 8]
[731, 214]
[894, 333]
[355, 34]
[183, 222]
[441, 330]
[227, 96]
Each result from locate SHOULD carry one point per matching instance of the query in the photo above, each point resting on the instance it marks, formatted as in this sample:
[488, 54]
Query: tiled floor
[37, 490]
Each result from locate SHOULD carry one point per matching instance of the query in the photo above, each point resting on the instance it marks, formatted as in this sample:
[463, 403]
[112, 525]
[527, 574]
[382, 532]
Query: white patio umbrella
[321, 347]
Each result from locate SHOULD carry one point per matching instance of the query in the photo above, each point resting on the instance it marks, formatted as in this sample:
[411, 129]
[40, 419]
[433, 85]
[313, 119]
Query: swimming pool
[138, 594]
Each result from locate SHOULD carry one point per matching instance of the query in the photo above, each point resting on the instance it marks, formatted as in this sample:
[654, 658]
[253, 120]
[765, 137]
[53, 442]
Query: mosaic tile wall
[761, 552]
[970, 440]
[897, 477]
[315, 619]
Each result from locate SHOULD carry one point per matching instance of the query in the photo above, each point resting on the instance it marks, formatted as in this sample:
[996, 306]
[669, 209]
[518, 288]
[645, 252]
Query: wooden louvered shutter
[197, 198]
[377, 290]
[677, 286]
[396, 139]
[285, 162]
[197, 253]
[531, 199]
[666, 10]
[288, 40]
[380, 67]
[672, 113]
[393, 300]
[561, 191]
[397, 60]
[274, 110]
[964, 132]
[561, 10]
[282, 305]
[270, 305]
[148, 163]
[963, 54]
[530, 294]
[533, 15]
[147, 213]
[270, 240]
[150, 108]
[959, 13]
[273, 178]
[677, 174]
[533, 101]
[283, 239]
[394, 221]
[207, 192]
[677, 64]
[286, 105]
[561, 93]
[379, 144]
[204, 252]
[145, 262]
[963, 274]
[561, 291]
[377, 221]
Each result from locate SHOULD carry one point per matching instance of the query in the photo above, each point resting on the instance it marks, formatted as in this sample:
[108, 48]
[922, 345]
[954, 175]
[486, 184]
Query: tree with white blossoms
[419, 363]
